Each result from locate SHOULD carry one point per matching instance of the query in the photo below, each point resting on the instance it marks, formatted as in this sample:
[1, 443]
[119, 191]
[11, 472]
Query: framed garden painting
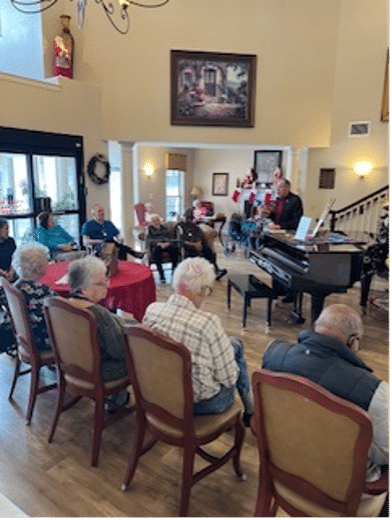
[220, 183]
[212, 88]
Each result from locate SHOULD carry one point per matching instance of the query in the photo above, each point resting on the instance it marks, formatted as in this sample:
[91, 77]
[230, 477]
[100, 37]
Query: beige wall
[295, 70]
[61, 106]
[153, 189]
[234, 161]
[360, 66]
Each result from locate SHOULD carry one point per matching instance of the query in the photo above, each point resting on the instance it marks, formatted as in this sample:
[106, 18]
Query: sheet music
[63, 280]
[303, 228]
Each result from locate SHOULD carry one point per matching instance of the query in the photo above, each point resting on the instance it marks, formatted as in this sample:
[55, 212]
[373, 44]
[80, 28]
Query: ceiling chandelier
[113, 9]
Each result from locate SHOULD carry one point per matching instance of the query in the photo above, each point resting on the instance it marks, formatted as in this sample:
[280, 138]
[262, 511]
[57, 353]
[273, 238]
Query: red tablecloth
[131, 289]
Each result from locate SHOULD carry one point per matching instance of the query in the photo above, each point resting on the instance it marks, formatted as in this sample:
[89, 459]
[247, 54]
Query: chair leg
[228, 293]
[269, 312]
[33, 392]
[98, 427]
[238, 440]
[245, 310]
[266, 504]
[137, 448]
[16, 375]
[59, 405]
[187, 474]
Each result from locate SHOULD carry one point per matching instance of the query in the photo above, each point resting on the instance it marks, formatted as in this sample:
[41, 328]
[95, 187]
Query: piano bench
[249, 287]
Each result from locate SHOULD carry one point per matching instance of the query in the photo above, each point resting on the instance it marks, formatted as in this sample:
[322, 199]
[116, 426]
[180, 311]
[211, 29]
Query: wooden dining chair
[74, 336]
[27, 351]
[161, 373]
[313, 449]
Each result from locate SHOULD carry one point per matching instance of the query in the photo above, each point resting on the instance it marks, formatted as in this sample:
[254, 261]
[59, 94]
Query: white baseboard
[10, 510]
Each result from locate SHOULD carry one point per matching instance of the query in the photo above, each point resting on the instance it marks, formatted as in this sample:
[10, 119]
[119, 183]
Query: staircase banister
[360, 201]
[335, 212]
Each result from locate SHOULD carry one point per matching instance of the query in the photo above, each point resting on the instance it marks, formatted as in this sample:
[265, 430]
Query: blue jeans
[225, 397]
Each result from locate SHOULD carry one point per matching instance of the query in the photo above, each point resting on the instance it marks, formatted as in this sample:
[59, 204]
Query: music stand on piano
[323, 216]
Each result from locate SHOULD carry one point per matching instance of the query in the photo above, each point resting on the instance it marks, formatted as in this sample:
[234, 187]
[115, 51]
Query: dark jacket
[327, 362]
[7, 248]
[291, 213]
[191, 232]
[162, 233]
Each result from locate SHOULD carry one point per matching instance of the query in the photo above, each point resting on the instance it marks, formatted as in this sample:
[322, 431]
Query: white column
[298, 169]
[128, 192]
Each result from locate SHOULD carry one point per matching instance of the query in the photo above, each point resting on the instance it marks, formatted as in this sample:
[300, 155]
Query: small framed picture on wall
[220, 183]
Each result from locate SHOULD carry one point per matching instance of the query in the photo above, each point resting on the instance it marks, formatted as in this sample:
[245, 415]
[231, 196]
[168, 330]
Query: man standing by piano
[287, 211]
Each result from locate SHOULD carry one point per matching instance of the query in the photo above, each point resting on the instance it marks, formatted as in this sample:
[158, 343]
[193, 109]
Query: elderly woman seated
[59, 242]
[88, 286]
[30, 263]
[160, 241]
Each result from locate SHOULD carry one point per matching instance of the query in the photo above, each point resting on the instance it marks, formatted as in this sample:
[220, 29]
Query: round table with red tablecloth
[131, 289]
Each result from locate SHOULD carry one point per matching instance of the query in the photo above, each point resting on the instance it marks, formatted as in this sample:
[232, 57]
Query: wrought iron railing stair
[362, 216]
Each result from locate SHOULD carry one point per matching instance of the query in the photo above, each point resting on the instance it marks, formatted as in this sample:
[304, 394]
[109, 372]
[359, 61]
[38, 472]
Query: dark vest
[327, 362]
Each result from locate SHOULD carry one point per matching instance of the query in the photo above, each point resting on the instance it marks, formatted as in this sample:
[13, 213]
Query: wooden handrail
[358, 203]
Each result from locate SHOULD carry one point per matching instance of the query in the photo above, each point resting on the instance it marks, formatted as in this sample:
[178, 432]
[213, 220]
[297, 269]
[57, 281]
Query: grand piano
[327, 264]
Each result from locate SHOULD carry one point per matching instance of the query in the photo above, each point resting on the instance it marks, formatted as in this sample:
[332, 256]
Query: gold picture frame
[385, 94]
[220, 184]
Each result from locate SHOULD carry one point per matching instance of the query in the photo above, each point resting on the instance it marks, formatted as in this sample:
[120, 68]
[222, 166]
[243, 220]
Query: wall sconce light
[148, 170]
[196, 192]
[362, 168]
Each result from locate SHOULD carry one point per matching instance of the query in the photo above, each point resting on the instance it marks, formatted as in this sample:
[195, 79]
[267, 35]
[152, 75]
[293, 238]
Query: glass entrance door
[40, 171]
[55, 183]
[15, 195]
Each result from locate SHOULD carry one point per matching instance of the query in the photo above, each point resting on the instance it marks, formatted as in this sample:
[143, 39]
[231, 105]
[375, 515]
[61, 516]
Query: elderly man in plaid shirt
[218, 362]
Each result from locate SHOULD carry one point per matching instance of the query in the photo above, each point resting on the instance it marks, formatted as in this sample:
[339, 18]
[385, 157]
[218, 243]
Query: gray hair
[30, 261]
[83, 272]
[342, 318]
[194, 274]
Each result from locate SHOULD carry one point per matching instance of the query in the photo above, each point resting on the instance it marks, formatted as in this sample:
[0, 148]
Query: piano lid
[326, 243]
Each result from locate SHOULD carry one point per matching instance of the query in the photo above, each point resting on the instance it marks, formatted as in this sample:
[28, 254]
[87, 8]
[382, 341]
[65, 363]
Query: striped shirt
[212, 355]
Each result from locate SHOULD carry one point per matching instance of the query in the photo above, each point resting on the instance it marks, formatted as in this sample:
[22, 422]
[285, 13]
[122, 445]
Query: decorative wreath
[98, 169]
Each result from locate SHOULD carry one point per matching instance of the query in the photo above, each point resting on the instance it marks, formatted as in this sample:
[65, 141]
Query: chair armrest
[139, 232]
[209, 235]
[378, 486]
